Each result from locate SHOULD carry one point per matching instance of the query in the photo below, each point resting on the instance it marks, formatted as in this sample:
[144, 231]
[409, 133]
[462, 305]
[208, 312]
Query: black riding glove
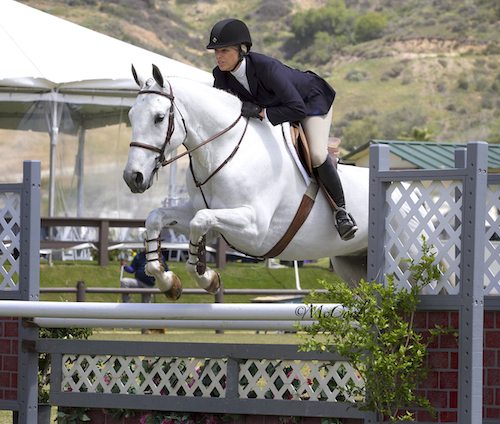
[250, 110]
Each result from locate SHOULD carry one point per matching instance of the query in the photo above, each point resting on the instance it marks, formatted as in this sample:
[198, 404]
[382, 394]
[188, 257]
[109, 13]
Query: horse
[243, 183]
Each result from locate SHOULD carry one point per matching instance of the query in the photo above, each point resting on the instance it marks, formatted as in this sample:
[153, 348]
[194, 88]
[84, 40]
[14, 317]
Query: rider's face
[227, 58]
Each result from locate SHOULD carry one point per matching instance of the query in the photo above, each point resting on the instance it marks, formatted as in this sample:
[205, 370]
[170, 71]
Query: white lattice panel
[10, 218]
[297, 380]
[261, 379]
[424, 209]
[144, 375]
[492, 242]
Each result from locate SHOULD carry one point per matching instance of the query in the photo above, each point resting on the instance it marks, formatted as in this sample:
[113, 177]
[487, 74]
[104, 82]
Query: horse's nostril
[139, 178]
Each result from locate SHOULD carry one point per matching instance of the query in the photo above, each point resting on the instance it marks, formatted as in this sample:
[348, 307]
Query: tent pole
[79, 172]
[54, 133]
[172, 181]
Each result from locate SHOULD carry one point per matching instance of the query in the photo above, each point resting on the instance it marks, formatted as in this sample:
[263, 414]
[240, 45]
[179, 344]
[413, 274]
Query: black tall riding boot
[329, 177]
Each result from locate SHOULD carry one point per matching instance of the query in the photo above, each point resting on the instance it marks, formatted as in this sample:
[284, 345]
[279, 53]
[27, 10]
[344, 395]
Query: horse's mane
[196, 91]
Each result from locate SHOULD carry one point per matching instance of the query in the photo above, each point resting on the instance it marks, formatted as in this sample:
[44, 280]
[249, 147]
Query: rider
[273, 91]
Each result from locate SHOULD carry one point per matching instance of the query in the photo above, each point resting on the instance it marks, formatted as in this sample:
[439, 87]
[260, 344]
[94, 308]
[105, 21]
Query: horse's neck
[208, 112]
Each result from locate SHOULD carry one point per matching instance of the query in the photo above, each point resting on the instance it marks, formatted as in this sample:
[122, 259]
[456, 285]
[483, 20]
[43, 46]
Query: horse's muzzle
[135, 181]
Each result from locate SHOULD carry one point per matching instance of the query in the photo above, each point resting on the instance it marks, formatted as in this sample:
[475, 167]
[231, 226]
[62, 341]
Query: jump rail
[188, 311]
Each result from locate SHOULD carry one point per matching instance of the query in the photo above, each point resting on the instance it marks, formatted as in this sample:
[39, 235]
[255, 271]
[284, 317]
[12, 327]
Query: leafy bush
[394, 72]
[360, 132]
[333, 19]
[322, 48]
[44, 367]
[369, 26]
[400, 124]
[375, 333]
[356, 76]
[463, 84]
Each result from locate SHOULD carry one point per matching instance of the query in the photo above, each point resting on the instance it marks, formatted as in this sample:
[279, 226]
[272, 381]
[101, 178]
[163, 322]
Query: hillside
[427, 70]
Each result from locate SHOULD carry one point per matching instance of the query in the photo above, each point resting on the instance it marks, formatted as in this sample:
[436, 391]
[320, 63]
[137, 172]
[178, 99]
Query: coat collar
[251, 75]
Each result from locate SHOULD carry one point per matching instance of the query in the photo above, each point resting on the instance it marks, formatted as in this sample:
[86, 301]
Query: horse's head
[157, 130]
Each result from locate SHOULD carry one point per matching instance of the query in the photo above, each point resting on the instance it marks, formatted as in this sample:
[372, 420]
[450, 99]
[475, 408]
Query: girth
[300, 216]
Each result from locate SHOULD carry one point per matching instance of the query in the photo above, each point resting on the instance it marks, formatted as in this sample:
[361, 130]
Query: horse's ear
[136, 78]
[158, 76]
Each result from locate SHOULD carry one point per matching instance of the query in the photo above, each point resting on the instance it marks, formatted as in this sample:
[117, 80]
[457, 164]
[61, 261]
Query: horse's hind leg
[158, 219]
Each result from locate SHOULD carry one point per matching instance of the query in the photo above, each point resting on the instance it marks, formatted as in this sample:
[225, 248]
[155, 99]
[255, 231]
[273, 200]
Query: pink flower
[211, 420]
[144, 418]
[309, 382]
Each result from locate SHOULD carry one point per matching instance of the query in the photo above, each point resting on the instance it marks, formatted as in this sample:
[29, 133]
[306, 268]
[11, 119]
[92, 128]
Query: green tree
[334, 19]
[369, 26]
[360, 132]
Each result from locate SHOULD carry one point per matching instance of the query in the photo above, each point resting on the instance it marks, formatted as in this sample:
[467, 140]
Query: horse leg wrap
[156, 250]
[201, 265]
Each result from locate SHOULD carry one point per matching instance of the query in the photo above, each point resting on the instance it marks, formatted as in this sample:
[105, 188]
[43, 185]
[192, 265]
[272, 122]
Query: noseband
[170, 130]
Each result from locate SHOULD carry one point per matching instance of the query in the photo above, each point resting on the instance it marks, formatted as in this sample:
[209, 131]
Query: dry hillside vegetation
[426, 70]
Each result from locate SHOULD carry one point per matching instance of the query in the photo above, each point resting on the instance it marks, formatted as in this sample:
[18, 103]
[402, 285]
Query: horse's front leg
[239, 221]
[179, 218]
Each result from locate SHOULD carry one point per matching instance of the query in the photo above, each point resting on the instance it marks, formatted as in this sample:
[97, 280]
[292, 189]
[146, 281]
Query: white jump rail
[186, 311]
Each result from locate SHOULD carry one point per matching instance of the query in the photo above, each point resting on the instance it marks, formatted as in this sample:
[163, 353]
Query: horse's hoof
[175, 291]
[214, 286]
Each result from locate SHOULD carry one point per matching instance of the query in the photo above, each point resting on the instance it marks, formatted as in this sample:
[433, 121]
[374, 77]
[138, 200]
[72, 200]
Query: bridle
[160, 160]
[170, 129]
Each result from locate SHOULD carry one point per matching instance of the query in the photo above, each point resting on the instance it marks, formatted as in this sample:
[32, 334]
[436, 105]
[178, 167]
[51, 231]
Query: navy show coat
[287, 94]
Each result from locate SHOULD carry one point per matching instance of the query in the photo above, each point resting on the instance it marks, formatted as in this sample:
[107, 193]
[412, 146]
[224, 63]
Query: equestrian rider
[273, 91]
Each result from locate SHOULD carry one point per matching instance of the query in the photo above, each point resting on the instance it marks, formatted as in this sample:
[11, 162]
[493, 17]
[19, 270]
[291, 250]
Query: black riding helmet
[229, 32]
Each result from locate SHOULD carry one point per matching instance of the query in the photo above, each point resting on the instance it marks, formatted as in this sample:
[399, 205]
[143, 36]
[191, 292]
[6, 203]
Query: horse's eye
[159, 118]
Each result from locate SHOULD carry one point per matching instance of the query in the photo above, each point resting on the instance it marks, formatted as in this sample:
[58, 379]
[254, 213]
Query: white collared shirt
[240, 74]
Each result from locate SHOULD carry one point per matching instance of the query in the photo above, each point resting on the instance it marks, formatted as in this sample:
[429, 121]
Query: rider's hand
[251, 110]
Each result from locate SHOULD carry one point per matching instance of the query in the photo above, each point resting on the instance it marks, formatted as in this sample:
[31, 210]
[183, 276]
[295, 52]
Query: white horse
[243, 183]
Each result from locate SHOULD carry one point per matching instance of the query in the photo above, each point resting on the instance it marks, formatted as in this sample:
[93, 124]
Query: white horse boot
[329, 177]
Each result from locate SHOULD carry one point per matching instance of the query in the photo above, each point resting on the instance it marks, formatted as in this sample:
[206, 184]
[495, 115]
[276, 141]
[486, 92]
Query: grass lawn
[199, 336]
[235, 275]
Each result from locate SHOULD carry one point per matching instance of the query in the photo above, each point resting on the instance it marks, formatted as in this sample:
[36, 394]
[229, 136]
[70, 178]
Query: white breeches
[134, 283]
[317, 130]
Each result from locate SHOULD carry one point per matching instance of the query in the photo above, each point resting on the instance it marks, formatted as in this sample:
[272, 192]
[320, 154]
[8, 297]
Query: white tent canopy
[58, 77]
[43, 51]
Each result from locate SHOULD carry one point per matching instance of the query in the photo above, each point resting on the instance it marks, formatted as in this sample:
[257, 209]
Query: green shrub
[375, 334]
[356, 76]
[334, 19]
[360, 132]
[369, 26]
[44, 367]
[463, 84]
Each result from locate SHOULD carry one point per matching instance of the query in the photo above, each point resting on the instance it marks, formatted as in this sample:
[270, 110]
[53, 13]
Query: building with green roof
[420, 155]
